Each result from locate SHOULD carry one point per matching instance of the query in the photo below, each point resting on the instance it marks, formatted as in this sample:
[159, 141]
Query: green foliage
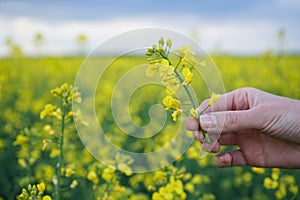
[27, 156]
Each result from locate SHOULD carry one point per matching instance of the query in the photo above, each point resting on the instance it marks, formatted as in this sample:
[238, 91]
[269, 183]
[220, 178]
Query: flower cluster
[173, 190]
[281, 184]
[173, 104]
[174, 76]
[62, 112]
[34, 192]
[67, 94]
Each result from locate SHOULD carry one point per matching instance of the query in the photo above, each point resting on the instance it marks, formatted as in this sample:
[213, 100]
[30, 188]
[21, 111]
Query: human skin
[265, 127]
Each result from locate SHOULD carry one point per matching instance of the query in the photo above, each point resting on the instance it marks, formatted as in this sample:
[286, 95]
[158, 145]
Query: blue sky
[237, 27]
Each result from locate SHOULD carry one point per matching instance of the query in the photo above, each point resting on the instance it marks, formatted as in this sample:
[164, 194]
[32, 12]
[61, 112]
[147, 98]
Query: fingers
[229, 139]
[230, 159]
[192, 124]
[237, 115]
[198, 136]
[230, 121]
[239, 99]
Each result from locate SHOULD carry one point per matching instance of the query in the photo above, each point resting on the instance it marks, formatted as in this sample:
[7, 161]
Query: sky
[231, 26]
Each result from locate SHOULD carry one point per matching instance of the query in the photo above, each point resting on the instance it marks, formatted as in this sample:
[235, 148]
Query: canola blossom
[174, 77]
[214, 98]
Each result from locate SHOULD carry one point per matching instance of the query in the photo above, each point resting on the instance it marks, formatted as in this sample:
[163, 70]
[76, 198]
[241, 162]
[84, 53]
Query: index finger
[235, 100]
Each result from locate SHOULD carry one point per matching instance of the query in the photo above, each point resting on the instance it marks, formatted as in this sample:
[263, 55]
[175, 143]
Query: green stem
[61, 155]
[204, 132]
[178, 63]
[200, 113]
[29, 169]
[189, 93]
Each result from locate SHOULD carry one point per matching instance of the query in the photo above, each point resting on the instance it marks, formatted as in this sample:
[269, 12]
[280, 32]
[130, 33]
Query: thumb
[229, 121]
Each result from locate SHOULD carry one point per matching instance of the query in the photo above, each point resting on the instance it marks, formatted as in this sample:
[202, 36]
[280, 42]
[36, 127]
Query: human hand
[265, 127]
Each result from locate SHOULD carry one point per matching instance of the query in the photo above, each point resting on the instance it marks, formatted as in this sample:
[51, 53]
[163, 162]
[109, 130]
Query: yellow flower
[279, 194]
[119, 189]
[176, 185]
[48, 110]
[192, 153]
[214, 98]
[258, 170]
[188, 76]
[197, 179]
[48, 129]
[41, 187]
[92, 176]
[74, 184]
[159, 176]
[57, 91]
[54, 153]
[150, 188]
[281, 191]
[70, 114]
[156, 196]
[164, 193]
[165, 62]
[125, 168]
[270, 184]
[152, 69]
[45, 144]
[171, 103]
[69, 172]
[247, 177]
[47, 197]
[194, 113]
[165, 69]
[77, 97]
[275, 173]
[108, 174]
[293, 189]
[184, 51]
[175, 113]
[22, 163]
[171, 83]
[21, 139]
[189, 187]
[289, 179]
[57, 114]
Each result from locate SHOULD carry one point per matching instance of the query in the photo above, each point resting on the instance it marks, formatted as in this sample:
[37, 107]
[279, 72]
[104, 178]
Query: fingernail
[224, 158]
[198, 136]
[195, 133]
[208, 121]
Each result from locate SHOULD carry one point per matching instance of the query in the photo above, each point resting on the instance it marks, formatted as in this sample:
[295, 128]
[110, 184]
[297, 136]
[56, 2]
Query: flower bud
[148, 53]
[161, 41]
[169, 43]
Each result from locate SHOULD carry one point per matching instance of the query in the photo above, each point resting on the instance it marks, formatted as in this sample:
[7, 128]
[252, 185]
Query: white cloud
[235, 36]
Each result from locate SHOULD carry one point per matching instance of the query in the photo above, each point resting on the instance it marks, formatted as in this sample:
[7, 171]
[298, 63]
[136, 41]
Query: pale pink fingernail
[195, 133]
[225, 158]
[208, 121]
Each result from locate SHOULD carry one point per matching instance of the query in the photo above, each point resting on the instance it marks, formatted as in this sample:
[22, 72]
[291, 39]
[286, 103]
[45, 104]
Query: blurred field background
[25, 86]
[31, 65]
